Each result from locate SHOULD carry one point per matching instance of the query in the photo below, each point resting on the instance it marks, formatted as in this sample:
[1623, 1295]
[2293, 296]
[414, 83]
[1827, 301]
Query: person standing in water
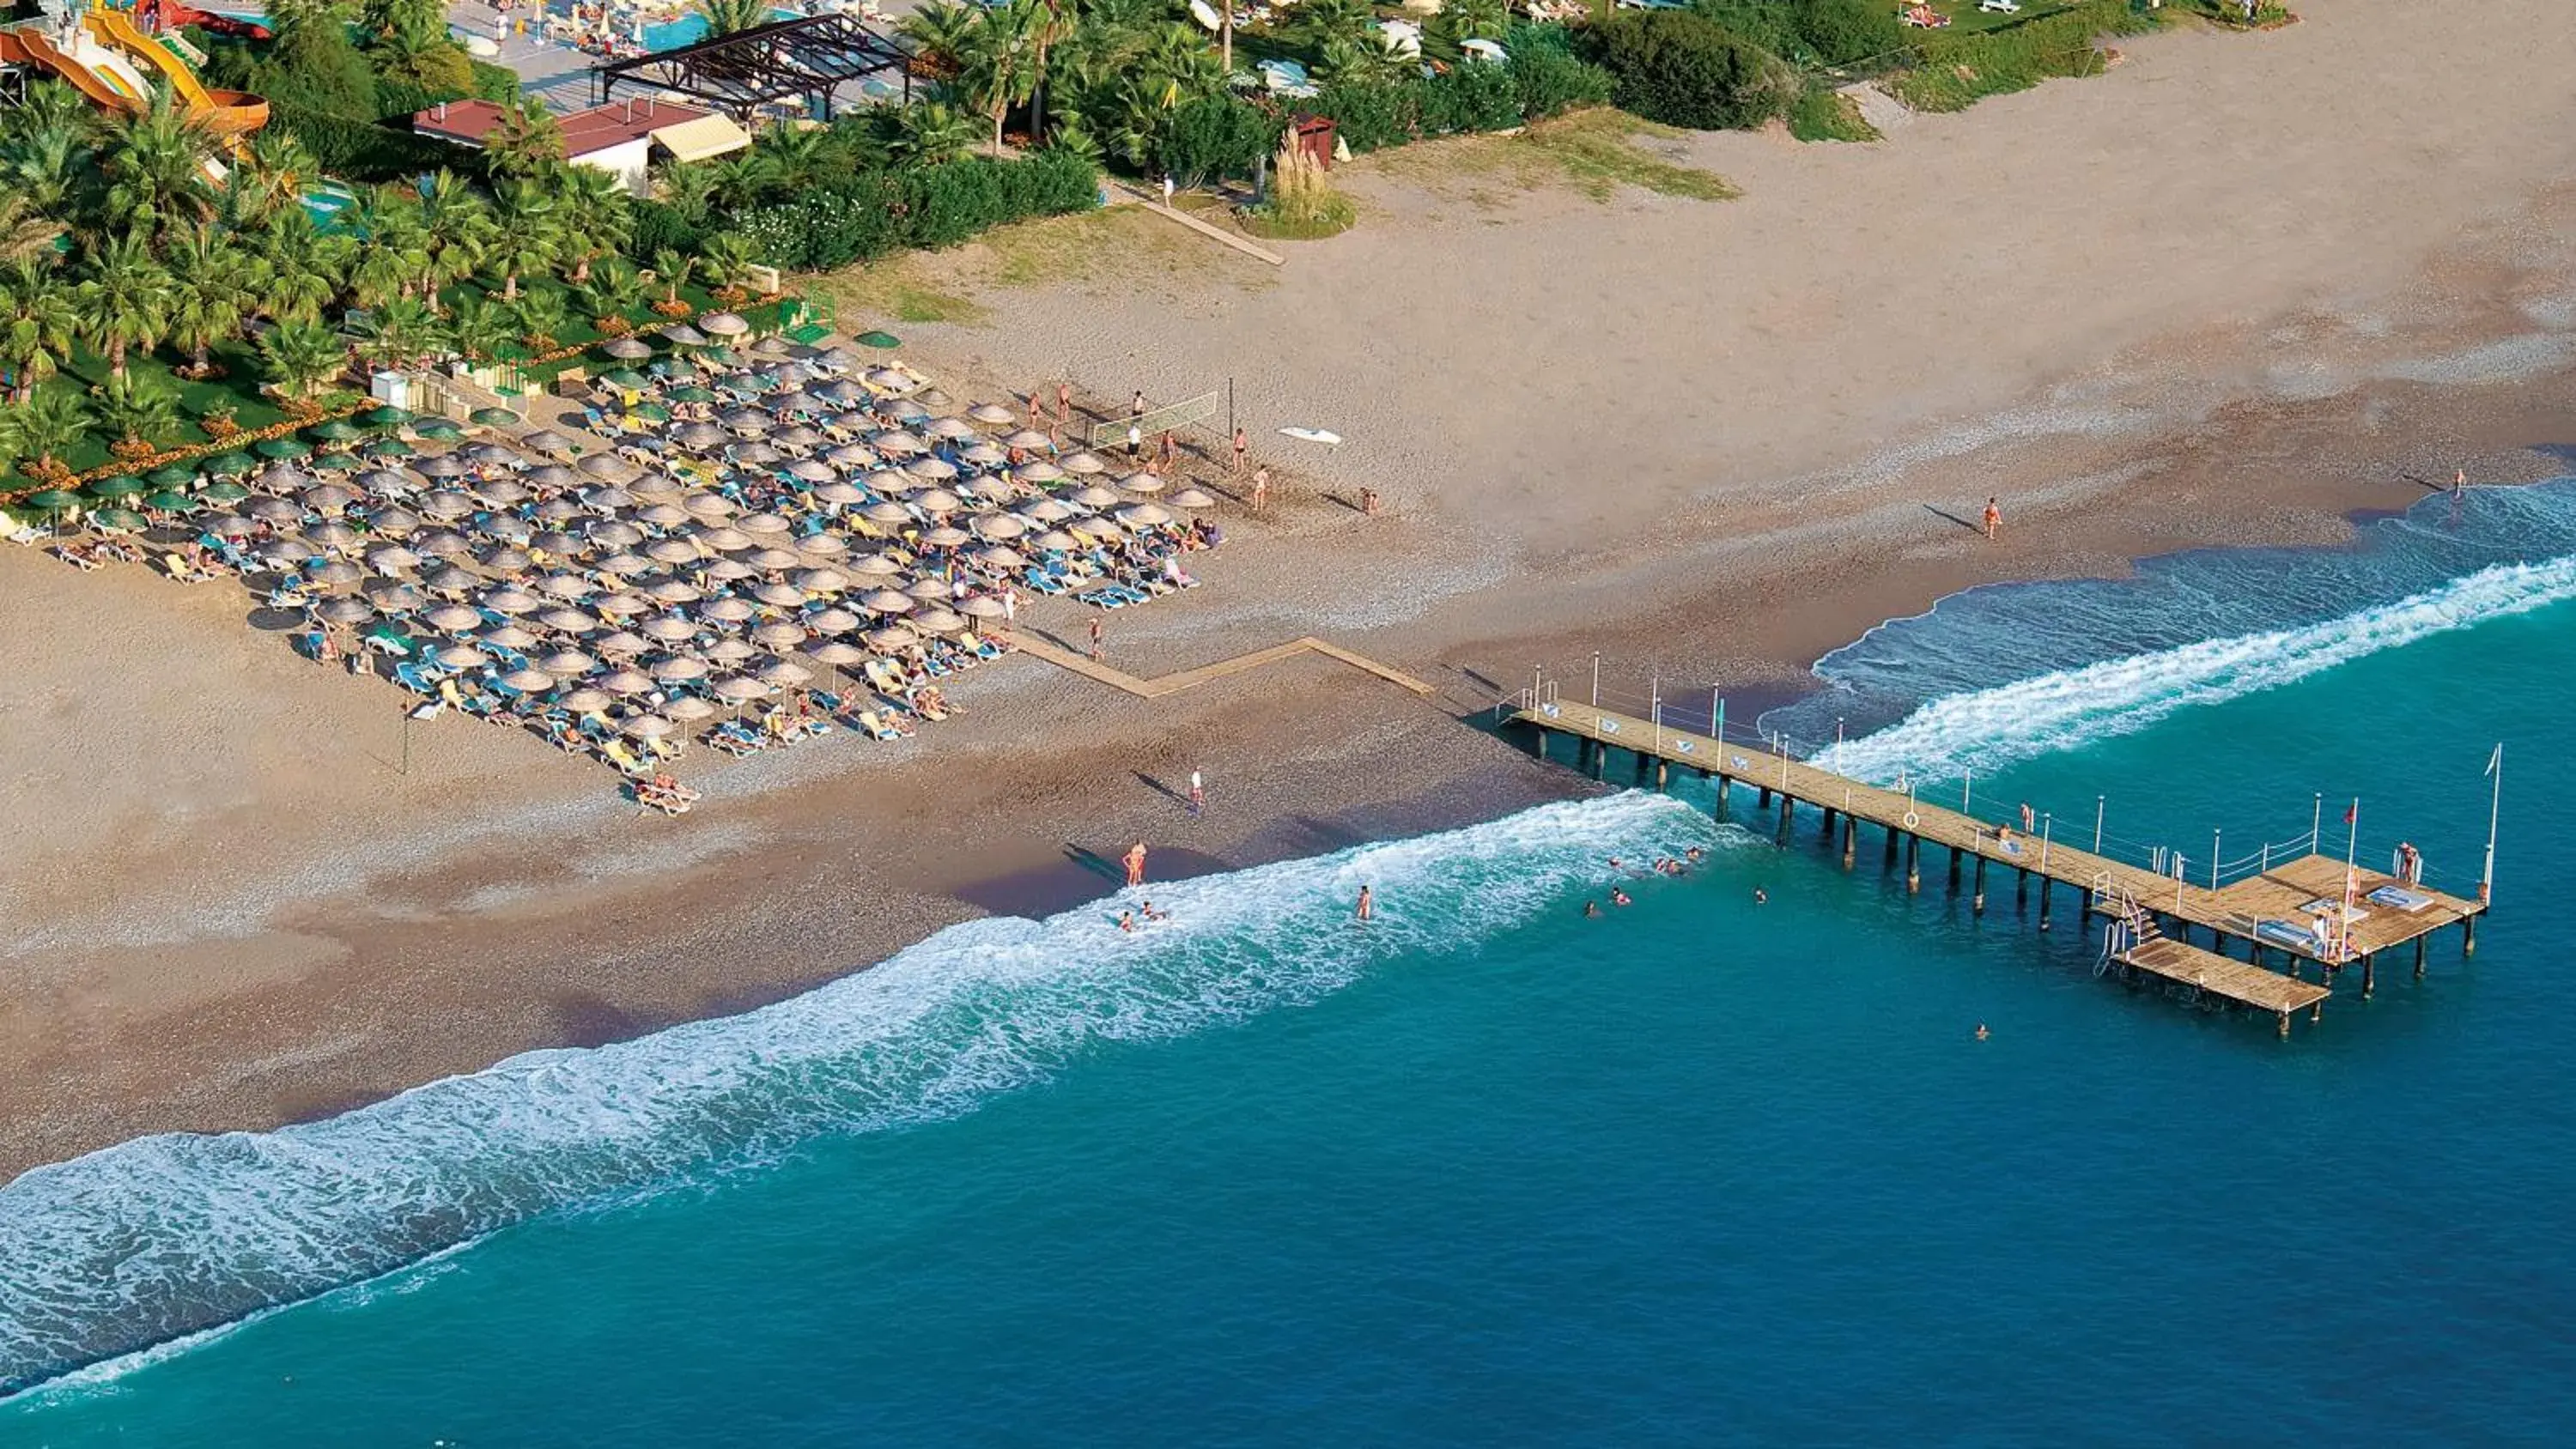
[1368, 905]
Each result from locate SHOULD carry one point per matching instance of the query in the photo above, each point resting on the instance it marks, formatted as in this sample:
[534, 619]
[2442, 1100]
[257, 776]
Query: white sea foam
[162, 1238]
[1986, 728]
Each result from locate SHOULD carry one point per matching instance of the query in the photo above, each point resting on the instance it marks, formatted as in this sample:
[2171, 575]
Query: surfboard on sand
[1313, 435]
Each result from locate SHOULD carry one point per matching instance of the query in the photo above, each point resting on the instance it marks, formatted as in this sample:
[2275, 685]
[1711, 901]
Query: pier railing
[1702, 711]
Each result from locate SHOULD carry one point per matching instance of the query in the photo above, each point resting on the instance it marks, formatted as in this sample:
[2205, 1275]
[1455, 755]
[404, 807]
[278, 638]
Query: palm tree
[272, 178]
[125, 303]
[459, 227]
[729, 17]
[726, 259]
[612, 290]
[303, 269]
[45, 161]
[999, 69]
[39, 323]
[480, 328]
[531, 235]
[24, 230]
[941, 32]
[139, 408]
[744, 179]
[44, 427]
[541, 316]
[794, 154]
[400, 331]
[301, 356]
[526, 141]
[673, 269]
[932, 132]
[396, 254]
[1052, 22]
[687, 188]
[155, 165]
[597, 219]
[216, 288]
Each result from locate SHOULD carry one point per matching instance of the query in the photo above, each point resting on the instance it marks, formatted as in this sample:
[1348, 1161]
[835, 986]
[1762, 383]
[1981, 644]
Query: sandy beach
[2239, 289]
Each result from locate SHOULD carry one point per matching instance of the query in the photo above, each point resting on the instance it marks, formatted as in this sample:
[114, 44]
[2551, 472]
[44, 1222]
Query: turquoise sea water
[1485, 1171]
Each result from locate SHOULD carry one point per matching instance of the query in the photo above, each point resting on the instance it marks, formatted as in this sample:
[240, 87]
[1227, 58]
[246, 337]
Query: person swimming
[1693, 854]
[1618, 897]
[1761, 897]
[1127, 920]
[1591, 910]
[1152, 914]
[1982, 1033]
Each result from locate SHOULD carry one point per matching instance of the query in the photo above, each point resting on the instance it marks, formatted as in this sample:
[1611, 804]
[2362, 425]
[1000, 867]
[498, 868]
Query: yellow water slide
[27, 45]
[114, 28]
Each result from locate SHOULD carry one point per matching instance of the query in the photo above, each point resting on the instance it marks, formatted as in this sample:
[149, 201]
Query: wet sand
[229, 904]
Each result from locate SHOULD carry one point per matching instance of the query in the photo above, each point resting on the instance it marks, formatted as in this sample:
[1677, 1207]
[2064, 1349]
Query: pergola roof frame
[810, 56]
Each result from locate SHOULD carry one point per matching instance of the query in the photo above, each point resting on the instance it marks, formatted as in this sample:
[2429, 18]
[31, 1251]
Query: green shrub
[357, 150]
[658, 228]
[1212, 138]
[1549, 77]
[1838, 32]
[878, 212]
[1684, 69]
[496, 83]
[1474, 96]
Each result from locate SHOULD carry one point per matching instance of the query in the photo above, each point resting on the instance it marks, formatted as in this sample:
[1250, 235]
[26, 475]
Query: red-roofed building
[618, 138]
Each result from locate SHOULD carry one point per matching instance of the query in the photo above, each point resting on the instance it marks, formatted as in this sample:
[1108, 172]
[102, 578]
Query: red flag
[2352, 812]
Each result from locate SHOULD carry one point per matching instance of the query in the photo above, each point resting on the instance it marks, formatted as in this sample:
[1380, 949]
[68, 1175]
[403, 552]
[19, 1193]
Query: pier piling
[1977, 903]
[1913, 864]
[1851, 839]
[2419, 958]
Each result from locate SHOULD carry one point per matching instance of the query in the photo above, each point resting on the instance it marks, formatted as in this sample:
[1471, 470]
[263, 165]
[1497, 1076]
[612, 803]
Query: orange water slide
[28, 46]
[112, 28]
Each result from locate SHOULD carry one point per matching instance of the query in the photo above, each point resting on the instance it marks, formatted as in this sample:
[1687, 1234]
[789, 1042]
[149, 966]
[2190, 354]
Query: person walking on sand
[1260, 489]
[1167, 456]
[1198, 793]
[1064, 402]
[2459, 481]
[1135, 861]
[1994, 519]
[1095, 641]
[1242, 450]
[1368, 905]
[1136, 408]
[1135, 442]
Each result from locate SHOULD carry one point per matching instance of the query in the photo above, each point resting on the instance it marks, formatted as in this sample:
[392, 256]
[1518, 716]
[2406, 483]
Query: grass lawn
[1594, 151]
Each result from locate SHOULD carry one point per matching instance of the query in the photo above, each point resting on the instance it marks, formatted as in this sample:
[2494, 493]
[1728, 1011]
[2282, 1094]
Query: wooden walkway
[2270, 911]
[1174, 683]
[2224, 976]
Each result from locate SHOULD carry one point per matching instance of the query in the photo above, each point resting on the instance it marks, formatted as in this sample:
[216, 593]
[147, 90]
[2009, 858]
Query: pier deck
[2237, 981]
[2269, 910]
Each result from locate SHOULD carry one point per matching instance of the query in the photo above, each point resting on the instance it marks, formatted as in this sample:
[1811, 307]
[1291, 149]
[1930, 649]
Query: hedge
[878, 212]
[360, 151]
[1540, 80]
[659, 227]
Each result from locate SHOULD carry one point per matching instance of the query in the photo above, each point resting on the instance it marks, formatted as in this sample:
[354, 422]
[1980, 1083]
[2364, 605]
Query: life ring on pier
[1912, 819]
[1609, 727]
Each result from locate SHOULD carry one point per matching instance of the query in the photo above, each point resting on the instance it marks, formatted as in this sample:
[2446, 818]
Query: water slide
[112, 28]
[108, 63]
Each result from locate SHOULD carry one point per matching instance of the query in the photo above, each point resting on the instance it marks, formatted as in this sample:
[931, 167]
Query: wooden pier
[2271, 912]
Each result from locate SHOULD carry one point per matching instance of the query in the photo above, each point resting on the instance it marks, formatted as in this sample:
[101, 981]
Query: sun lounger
[75, 555]
[23, 536]
[623, 758]
[874, 726]
[736, 739]
[415, 676]
[2397, 897]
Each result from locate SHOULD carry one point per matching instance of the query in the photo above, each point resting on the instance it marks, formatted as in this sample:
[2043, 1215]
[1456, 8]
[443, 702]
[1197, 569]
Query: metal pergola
[811, 58]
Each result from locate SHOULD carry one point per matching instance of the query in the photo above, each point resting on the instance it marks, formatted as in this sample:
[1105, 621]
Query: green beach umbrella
[692, 393]
[224, 492]
[333, 462]
[443, 429]
[886, 340]
[389, 448]
[169, 502]
[493, 418]
[172, 477]
[651, 412]
[388, 416]
[337, 430]
[280, 448]
[54, 500]
[724, 357]
[119, 520]
[623, 377]
[117, 487]
[228, 465]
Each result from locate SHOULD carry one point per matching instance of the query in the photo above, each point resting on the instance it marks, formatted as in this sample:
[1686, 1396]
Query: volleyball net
[1197, 412]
